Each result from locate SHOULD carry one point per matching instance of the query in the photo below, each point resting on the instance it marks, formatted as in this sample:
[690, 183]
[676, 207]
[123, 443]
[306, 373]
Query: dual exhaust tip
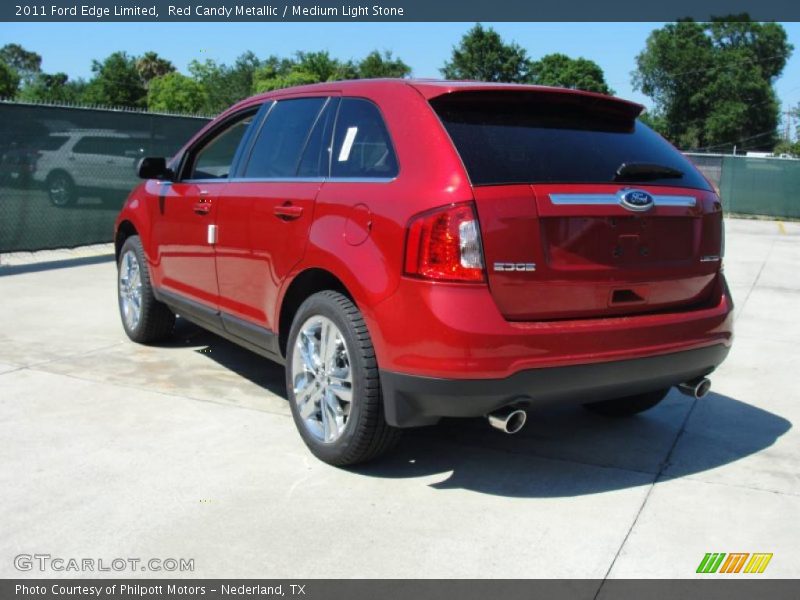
[508, 419]
[696, 388]
[511, 420]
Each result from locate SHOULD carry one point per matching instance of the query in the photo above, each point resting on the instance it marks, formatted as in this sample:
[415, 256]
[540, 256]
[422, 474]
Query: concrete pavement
[187, 450]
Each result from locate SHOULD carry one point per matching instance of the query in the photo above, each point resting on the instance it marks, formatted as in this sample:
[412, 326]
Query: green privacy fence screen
[65, 171]
[754, 186]
[761, 186]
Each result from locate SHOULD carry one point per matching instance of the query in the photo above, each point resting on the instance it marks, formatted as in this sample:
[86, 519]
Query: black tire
[156, 321]
[61, 189]
[366, 435]
[629, 405]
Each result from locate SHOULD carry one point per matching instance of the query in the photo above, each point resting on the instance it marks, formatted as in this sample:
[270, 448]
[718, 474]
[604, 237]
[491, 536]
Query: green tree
[241, 74]
[375, 65]
[116, 82]
[483, 55]
[55, 88]
[9, 81]
[654, 121]
[265, 83]
[274, 73]
[304, 68]
[787, 147]
[314, 67]
[174, 92]
[224, 84]
[321, 66]
[150, 65]
[712, 83]
[560, 70]
[209, 74]
[27, 64]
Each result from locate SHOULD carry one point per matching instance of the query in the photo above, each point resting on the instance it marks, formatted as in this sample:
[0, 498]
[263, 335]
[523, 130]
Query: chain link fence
[65, 171]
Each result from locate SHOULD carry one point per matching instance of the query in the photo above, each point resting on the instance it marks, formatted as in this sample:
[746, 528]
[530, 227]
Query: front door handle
[202, 207]
[288, 212]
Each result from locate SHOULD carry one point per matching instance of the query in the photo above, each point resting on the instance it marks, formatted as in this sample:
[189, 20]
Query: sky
[70, 47]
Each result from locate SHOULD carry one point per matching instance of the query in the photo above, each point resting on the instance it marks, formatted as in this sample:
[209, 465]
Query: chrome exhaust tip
[508, 420]
[696, 388]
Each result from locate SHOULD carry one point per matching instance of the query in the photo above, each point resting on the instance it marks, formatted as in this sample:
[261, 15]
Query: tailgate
[584, 211]
[556, 252]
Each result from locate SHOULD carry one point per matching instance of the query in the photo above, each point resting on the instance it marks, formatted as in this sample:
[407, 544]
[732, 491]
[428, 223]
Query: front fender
[137, 211]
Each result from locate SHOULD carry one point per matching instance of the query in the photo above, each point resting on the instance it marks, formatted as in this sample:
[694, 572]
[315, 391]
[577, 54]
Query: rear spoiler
[528, 94]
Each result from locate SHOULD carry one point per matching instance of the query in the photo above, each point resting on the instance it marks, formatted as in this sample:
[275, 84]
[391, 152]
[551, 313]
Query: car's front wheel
[144, 318]
[333, 384]
[629, 405]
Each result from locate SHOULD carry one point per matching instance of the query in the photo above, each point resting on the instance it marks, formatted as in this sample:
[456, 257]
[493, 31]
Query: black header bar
[271, 11]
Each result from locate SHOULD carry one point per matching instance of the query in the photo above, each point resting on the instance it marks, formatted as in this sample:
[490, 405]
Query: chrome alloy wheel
[59, 191]
[130, 289]
[322, 379]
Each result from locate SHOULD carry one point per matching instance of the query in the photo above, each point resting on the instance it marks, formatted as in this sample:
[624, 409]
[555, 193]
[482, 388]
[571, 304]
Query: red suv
[413, 250]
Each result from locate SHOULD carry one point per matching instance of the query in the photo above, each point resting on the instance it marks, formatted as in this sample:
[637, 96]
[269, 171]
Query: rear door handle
[288, 212]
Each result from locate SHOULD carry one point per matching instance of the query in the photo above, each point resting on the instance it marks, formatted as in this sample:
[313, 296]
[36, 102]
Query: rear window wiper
[645, 172]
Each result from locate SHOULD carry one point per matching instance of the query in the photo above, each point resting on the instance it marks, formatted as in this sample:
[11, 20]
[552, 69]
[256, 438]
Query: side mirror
[152, 167]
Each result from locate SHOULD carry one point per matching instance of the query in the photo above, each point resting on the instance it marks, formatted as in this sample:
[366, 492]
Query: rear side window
[519, 137]
[362, 148]
[316, 155]
[280, 143]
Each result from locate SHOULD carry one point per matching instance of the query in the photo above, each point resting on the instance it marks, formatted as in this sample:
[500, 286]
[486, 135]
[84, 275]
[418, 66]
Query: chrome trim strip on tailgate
[614, 199]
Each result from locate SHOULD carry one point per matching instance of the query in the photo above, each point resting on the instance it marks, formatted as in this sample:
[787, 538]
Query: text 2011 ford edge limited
[413, 250]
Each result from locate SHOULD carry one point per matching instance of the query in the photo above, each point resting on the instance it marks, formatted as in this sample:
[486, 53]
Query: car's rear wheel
[61, 189]
[144, 318]
[629, 405]
[333, 384]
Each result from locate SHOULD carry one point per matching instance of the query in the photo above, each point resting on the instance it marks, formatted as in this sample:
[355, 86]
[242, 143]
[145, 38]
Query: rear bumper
[413, 401]
[452, 331]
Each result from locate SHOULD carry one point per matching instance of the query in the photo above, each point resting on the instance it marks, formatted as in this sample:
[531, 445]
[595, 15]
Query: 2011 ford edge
[413, 250]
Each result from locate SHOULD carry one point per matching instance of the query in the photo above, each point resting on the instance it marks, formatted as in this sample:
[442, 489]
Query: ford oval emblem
[636, 200]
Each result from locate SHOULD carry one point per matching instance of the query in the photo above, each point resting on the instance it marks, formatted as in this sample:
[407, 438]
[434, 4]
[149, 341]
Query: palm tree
[150, 65]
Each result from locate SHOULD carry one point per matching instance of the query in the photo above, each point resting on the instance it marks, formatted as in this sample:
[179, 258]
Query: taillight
[445, 245]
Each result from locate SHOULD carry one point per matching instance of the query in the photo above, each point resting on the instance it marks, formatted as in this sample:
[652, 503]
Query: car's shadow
[262, 372]
[562, 451]
[567, 451]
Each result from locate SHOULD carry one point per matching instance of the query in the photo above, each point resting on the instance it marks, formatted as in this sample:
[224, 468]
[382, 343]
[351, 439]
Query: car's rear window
[529, 137]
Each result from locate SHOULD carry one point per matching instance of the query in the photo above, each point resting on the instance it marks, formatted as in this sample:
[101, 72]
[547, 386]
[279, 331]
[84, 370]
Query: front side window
[362, 148]
[216, 154]
[278, 148]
